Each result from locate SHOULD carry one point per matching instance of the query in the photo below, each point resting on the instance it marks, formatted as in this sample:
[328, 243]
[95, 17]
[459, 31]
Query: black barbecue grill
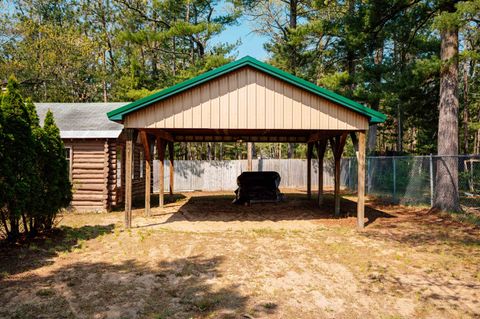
[256, 187]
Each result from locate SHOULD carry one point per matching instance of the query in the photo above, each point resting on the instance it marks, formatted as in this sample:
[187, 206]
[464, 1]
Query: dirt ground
[202, 257]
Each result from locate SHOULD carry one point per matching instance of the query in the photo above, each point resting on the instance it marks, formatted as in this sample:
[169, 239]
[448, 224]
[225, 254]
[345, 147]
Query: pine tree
[18, 164]
[448, 23]
[37, 195]
[57, 186]
[32, 113]
[33, 170]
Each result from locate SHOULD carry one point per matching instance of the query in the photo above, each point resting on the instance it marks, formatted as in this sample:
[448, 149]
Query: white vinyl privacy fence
[399, 179]
[222, 175]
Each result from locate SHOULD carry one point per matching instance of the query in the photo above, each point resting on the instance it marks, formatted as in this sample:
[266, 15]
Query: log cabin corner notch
[252, 101]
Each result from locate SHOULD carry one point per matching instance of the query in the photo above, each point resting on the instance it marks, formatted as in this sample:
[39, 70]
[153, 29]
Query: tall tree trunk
[351, 51]
[477, 143]
[3, 218]
[401, 57]
[293, 16]
[105, 95]
[104, 81]
[377, 60]
[174, 57]
[290, 150]
[372, 139]
[106, 34]
[446, 194]
[465, 108]
[183, 150]
[399, 130]
[209, 151]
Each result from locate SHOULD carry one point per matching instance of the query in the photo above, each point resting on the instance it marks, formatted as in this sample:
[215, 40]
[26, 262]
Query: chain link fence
[407, 180]
[411, 180]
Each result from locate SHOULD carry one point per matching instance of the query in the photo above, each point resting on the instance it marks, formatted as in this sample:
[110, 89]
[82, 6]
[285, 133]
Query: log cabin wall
[138, 181]
[112, 175]
[94, 173]
[90, 168]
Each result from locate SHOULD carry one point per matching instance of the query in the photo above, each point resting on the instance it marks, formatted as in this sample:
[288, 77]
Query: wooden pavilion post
[128, 176]
[171, 154]
[249, 157]
[321, 148]
[148, 170]
[338, 143]
[309, 170]
[361, 180]
[161, 143]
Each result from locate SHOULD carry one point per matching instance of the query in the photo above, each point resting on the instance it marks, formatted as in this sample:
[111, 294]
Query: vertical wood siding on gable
[247, 98]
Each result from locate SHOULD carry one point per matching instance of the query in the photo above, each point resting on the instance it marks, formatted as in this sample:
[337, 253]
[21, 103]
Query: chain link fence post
[369, 180]
[394, 195]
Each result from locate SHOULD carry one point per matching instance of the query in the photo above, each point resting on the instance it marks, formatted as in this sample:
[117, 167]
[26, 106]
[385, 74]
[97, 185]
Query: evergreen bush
[34, 183]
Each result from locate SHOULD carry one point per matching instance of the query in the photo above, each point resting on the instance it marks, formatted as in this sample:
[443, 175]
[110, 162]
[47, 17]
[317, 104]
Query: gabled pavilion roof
[372, 115]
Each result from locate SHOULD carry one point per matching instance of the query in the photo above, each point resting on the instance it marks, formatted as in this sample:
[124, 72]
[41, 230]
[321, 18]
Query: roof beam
[325, 135]
[317, 136]
[243, 138]
[164, 135]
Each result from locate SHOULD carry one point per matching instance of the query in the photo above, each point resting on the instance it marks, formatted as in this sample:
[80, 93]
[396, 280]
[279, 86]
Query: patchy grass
[201, 257]
[468, 215]
[206, 304]
[45, 292]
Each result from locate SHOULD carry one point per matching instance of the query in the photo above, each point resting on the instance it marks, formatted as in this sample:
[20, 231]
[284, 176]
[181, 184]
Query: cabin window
[141, 164]
[68, 157]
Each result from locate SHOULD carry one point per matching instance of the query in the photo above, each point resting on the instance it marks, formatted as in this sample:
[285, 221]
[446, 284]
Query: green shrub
[34, 183]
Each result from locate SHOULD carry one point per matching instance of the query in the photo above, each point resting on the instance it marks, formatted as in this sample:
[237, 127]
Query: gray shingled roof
[83, 120]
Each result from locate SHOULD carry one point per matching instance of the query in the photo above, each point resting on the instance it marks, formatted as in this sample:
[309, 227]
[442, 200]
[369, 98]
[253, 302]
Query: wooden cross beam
[147, 142]
[315, 137]
[161, 144]
[309, 169]
[321, 148]
[164, 135]
[171, 154]
[338, 144]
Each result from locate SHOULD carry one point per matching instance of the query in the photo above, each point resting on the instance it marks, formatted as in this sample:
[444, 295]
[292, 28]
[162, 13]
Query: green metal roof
[374, 116]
